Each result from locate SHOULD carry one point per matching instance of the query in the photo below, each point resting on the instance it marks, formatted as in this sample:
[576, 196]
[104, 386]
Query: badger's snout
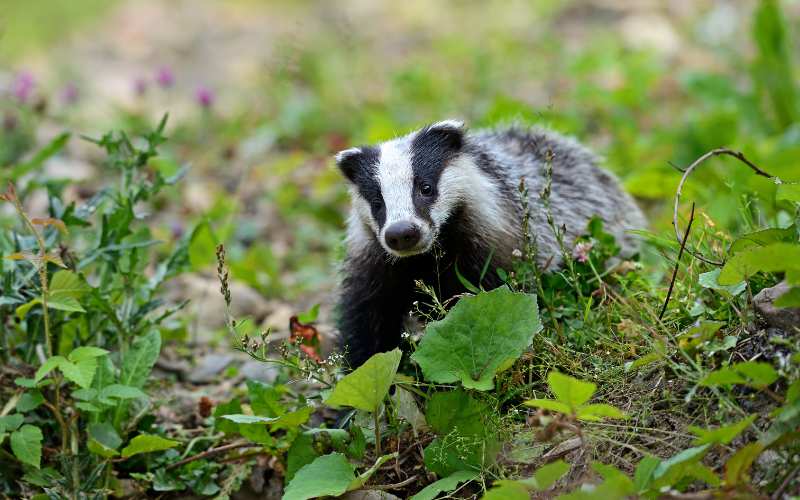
[402, 236]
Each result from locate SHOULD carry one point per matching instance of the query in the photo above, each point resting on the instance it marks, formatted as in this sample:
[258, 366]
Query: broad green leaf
[301, 453]
[599, 411]
[615, 485]
[458, 411]
[710, 280]
[546, 475]
[763, 238]
[737, 468]
[720, 435]
[789, 299]
[146, 443]
[478, 337]
[224, 425]
[788, 191]
[265, 399]
[86, 352]
[446, 484]
[26, 443]
[368, 385]
[103, 439]
[11, 422]
[549, 404]
[49, 365]
[643, 475]
[507, 490]
[140, 358]
[67, 284]
[673, 469]
[328, 475]
[119, 391]
[68, 304]
[81, 372]
[771, 258]
[753, 373]
[22, 310]
[29, 401]
[570, 390]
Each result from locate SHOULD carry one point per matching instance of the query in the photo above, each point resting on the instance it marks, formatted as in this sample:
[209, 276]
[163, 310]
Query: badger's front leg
[375, 297]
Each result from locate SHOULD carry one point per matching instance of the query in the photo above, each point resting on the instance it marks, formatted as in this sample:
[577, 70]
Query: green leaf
[446, 484]
[752, 373]
[788, 191]
[140, 358]
[119, 391]
[67, 284]
[29, 401]
[720, 435]
[301, 453]
[549, 404]
[103, 439]
[11, 422]
[643, 475]
[762, 238]
[546, 475]
[26, 443]
[146, 443]
[478, 337]
[771, 258]
[507, 490]
[737, 468]
[595, 412]
[789, 299]
[679, 466]
[51, 149]
[220, 424]
[86, 352]
[68, 304]
[49, 365]
[710, 280]
[570, 390]
[81, 373]
[328, 475]
[368, 385]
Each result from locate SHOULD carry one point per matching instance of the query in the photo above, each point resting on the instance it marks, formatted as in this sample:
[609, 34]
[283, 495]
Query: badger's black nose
[402, 236]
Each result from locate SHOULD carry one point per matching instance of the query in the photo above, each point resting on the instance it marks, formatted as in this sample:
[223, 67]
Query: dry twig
[677, 264]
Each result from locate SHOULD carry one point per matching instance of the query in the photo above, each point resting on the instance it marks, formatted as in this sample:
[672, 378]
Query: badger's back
[580, 189]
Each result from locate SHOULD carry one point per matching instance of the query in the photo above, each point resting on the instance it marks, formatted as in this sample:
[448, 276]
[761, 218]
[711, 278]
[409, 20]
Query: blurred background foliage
[261, 94]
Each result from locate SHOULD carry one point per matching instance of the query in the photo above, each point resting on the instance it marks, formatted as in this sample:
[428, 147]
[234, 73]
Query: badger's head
[403, 189]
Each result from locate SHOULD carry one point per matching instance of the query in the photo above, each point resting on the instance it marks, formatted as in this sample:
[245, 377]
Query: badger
[440, 203]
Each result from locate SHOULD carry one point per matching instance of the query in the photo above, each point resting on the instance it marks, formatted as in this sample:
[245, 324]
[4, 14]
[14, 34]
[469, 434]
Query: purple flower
[165, 77]
[204, 96]
[140, 87]
[22, 86]
[70, 94]
[581, 251]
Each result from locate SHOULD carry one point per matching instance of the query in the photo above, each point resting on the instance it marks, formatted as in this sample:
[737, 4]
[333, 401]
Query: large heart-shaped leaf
[366, 387]
[479, 337]
[26, 443]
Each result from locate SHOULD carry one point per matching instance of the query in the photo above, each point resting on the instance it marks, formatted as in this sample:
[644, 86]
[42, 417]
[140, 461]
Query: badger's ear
[349, 162]
[447, 133]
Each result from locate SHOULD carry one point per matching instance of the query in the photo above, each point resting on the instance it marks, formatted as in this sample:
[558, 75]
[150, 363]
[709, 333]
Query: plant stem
[377, 416]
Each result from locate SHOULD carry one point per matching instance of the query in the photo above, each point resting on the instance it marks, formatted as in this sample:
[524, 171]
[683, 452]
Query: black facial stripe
[431, 150]
[362, 170]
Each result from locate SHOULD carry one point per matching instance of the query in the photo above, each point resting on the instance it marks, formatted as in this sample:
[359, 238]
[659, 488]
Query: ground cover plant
[165, 318]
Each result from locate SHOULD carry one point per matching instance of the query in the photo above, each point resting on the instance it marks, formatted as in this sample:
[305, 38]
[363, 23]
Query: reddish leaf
[308, 335]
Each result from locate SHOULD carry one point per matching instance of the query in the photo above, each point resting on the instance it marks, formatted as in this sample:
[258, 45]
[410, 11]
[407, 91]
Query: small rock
[256, 370]
[785, 318]
[368, 495]
[209, 367]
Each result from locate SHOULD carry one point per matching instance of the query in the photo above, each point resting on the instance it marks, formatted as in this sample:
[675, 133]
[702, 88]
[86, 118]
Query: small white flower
[517, 253]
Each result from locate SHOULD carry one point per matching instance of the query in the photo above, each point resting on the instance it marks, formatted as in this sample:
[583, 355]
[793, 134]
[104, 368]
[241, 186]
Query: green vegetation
[604, 379]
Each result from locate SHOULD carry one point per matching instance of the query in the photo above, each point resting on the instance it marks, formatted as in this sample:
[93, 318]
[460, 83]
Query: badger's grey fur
[459, 192]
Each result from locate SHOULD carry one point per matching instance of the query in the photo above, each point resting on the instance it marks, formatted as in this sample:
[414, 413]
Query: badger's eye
[426, 190]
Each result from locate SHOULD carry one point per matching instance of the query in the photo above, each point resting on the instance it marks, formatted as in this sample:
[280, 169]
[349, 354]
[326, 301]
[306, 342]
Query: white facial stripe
[361, 209]
[396, 179]
[341, 155]
[448, 124]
